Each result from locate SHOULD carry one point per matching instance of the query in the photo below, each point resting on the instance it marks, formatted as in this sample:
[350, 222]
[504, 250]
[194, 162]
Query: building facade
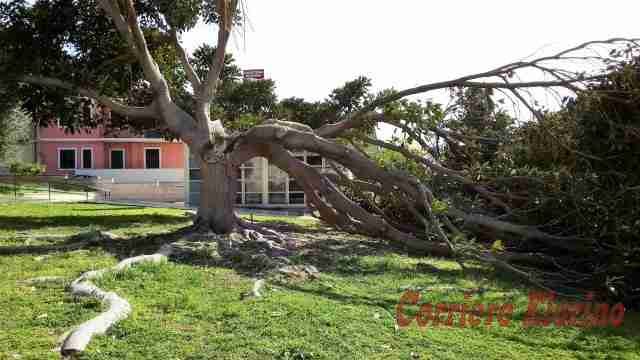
[150, 168]
[128, 166]
[260, 184]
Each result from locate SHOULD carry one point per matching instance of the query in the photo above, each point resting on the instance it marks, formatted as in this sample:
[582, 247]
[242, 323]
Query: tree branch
[355, 119]
[123, 110]
[192, 76]
[434, 166]
[227, 8]
[132, 32]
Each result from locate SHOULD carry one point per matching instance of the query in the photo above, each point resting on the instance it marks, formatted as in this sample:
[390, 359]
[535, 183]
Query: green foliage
[27, 169]
[547, 144]
[201, 61]
[439, 206]
[608, 122]
[76, 42]
[239, 100]
[314, 114]
[350, 97]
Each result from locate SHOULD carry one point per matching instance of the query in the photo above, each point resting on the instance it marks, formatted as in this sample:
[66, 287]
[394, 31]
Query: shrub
[26, 169]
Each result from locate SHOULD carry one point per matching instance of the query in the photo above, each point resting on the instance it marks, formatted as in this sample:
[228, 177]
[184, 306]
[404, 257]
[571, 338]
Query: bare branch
[474, 81]
[355, 119]
[132, 32]
[227, 8]
[434, 166]
[192, 76]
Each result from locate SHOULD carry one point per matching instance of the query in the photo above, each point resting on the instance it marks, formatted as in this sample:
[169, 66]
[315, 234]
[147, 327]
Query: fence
[79, 188]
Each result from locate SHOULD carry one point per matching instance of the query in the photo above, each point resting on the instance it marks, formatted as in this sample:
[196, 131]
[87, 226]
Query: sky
[311, 47]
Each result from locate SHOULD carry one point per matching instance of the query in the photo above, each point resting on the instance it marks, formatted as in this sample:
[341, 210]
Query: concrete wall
[162, 192]
[149, 176]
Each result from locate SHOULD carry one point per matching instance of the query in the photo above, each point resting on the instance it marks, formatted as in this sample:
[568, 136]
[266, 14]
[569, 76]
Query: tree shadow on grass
[104, 222]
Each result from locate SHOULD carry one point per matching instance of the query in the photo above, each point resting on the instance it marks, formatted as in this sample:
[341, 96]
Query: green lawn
[187, 311]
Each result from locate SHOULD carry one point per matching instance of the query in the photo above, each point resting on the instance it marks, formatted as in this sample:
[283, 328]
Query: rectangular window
[296, 198]
[253, 198]
[277, 185]
[67, 158]
[87, 158]
[117, 159]
[195, 174]
[152, 158]
[314, 160]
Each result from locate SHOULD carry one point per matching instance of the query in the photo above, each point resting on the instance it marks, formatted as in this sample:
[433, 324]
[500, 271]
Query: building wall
[53, 138]
[55, 132]
[171, 154]
[48, 155]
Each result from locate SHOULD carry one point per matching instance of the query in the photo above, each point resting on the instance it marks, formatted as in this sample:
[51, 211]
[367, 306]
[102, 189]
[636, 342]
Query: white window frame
[144, 156]
[82, 158]
[124, 157]
[75, 158]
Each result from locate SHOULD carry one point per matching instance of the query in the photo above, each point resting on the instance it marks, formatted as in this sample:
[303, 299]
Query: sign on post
[253, 74]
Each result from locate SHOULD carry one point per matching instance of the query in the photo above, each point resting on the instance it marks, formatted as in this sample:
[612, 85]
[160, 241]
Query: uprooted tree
[122, 61]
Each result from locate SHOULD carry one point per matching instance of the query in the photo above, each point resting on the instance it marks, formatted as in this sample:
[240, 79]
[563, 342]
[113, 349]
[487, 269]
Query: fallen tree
[81, 62]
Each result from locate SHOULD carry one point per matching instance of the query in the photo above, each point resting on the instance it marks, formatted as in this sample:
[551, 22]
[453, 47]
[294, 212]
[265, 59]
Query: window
[117, 159]
[66, 158]
[261, 183]
[152, 158]
[277, 185]
[87, 158]
[252, 181]
[314, 160]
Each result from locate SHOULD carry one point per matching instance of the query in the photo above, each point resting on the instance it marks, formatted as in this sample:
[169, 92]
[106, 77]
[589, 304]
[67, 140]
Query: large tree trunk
[217, 195]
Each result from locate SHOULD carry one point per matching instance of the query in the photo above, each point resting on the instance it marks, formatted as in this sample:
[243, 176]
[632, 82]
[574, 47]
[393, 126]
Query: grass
[184, 311]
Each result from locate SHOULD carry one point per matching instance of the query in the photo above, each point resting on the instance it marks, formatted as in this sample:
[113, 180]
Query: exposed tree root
[255, 290]
[117, 308]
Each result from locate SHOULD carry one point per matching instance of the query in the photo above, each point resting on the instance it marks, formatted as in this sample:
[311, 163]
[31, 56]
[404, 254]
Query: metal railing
[49, 188]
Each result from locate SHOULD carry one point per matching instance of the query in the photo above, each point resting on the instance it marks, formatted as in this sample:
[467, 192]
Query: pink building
[127, 163]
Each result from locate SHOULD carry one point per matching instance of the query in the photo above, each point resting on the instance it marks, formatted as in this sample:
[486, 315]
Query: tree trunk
[217, 194]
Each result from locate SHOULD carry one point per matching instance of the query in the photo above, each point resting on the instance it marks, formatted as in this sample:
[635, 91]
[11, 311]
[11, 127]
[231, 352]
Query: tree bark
[217, 194]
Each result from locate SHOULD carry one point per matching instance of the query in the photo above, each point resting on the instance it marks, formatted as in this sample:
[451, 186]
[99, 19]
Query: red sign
[256, 74]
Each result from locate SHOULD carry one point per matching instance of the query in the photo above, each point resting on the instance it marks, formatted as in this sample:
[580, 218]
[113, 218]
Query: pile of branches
[555, 200]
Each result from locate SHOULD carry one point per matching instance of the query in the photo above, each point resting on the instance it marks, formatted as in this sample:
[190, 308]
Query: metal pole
[49, 185]
[15, 187]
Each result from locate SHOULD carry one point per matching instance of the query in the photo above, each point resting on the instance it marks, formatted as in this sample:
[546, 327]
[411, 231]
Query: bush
[26, 169]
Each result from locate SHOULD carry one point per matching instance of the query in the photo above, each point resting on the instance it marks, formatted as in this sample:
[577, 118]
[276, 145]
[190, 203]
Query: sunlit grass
[183, 311]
